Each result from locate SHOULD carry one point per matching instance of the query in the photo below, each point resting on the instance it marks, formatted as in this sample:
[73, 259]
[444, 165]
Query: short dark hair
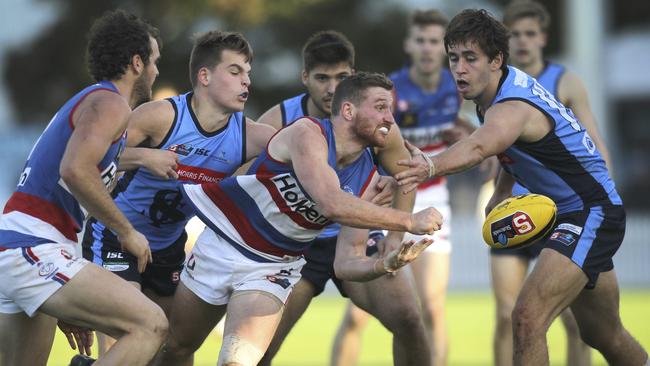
[208, 47]
[327, 48]
[114, 39]
[423, 18]
[353, 88]
[527, 9]
[478, 26]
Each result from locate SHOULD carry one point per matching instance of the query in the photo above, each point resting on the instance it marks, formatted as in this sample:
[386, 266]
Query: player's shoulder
[272, 117]
[101, 105]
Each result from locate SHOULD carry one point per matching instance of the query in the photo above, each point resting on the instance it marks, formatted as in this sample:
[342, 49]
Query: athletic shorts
[161, 275]
[590, 238]
[30, 275]
[320, 261]
[437, 197]
[216, 269]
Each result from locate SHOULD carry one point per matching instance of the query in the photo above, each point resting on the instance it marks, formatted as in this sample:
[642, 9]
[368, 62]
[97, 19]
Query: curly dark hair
[327, 48]
[209, 46]
[353, 87]
[114, 39]
[472, 25]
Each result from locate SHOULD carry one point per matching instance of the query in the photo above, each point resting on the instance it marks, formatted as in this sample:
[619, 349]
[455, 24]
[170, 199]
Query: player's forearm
[352, 211]
[88, 189]
[459, 157]
[359, 269]
[132, 158]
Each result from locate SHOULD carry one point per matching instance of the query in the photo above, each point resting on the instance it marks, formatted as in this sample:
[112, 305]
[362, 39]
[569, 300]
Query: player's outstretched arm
[352, 264]
[99, 120]
[148, 126]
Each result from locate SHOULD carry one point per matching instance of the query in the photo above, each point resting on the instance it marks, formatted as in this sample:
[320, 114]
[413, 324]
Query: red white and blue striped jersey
[154, 205]
[42, 209]
[267, 214]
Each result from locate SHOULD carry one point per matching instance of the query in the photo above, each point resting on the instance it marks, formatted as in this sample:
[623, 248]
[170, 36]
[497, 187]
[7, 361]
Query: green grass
[471, 322]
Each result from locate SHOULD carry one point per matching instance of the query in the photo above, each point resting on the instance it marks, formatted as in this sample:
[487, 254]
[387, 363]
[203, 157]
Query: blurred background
[605, 42]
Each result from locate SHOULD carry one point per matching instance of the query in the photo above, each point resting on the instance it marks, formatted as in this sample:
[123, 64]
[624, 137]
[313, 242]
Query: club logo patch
[564, 238]
[508, 227]
[282, 282]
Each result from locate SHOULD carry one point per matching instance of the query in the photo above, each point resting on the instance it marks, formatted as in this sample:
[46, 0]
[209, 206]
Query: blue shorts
[161, 275]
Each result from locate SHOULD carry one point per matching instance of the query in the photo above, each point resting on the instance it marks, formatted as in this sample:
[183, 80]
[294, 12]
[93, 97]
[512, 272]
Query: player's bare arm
[257, 136]
[303, 145]
[505, 123]
[573, 94]
[388, 156]
[272, 117]
[98, 121]
[147, 127]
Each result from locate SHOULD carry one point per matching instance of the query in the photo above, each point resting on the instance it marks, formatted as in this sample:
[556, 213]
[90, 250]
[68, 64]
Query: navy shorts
[161, 275]
[529, 252]
[320, 262]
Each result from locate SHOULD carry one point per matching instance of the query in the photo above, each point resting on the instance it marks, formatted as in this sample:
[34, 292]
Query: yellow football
[519, 221]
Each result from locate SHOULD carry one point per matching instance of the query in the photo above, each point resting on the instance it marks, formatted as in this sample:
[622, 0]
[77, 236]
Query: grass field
[470, 326]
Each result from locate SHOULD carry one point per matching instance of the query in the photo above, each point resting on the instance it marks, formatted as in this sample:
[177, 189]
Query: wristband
[431, 168]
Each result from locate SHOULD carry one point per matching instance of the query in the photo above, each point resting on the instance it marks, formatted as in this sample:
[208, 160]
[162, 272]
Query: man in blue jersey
[68, 172]
[328, 58]
[542, 146]
[312, 173]
[210, 136]
[528, 22]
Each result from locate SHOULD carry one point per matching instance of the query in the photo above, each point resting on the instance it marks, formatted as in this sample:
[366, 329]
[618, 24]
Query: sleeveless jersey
[42, 209]
[422, 116]
[154, 205]
[565, 164]
[294, 108]
[549, 78]
[266, 214]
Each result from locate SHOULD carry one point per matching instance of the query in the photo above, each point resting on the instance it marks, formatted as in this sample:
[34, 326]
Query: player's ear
[203, 76]
[496, 62]
[347, 110]
[137, 64]
[305, 77]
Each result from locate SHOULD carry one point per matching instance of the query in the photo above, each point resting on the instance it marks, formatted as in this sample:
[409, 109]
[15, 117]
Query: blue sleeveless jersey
[294, 108]
[154, 205]
[422, 115]
[42, 209]
[266, 214]
[565, 164]
[549, 78]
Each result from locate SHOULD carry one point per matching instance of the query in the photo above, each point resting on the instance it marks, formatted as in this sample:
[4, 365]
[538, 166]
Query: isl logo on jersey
[519, 223]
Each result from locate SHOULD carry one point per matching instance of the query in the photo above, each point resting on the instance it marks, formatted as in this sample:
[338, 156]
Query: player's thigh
[24, 340]
[552, 285]
[431, 273]
[100, 300]
[253, 315]
[389, 298]
[298, 302]
[191, 319]
[508, 273]
[597, 310]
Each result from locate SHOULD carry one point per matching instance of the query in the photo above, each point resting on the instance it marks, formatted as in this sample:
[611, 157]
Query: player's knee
[526, 322]
[604, 341]
[237, 351]
[504, 316]
[155, 324]
[409, 322]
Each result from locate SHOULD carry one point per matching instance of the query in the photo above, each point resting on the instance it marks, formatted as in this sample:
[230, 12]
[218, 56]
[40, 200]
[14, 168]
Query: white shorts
[29, 276]
[216, 269]
[437, 197]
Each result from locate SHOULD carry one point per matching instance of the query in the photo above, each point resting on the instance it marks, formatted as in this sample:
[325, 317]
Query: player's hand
[83, 337]
[386, 187]
[419, 169]
[161, 163]
[405, 254]
[425, 222]
[136, 244]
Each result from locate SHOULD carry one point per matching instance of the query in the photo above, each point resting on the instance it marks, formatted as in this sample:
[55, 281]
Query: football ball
[519, 221]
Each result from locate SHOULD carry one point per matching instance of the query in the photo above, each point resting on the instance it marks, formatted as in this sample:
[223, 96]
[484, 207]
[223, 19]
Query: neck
[125, 88]
[426, 82]
[210, 115]
[314, 111]
[533, 69]
[484, 101]
[348, 145]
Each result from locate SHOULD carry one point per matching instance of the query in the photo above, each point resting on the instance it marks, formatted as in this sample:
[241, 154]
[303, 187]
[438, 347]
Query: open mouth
[384, 130]
[243, 95]
[462, 84]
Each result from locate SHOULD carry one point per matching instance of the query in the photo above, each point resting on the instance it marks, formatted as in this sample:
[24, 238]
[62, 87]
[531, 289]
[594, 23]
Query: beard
[141, 91]
[366, 132]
